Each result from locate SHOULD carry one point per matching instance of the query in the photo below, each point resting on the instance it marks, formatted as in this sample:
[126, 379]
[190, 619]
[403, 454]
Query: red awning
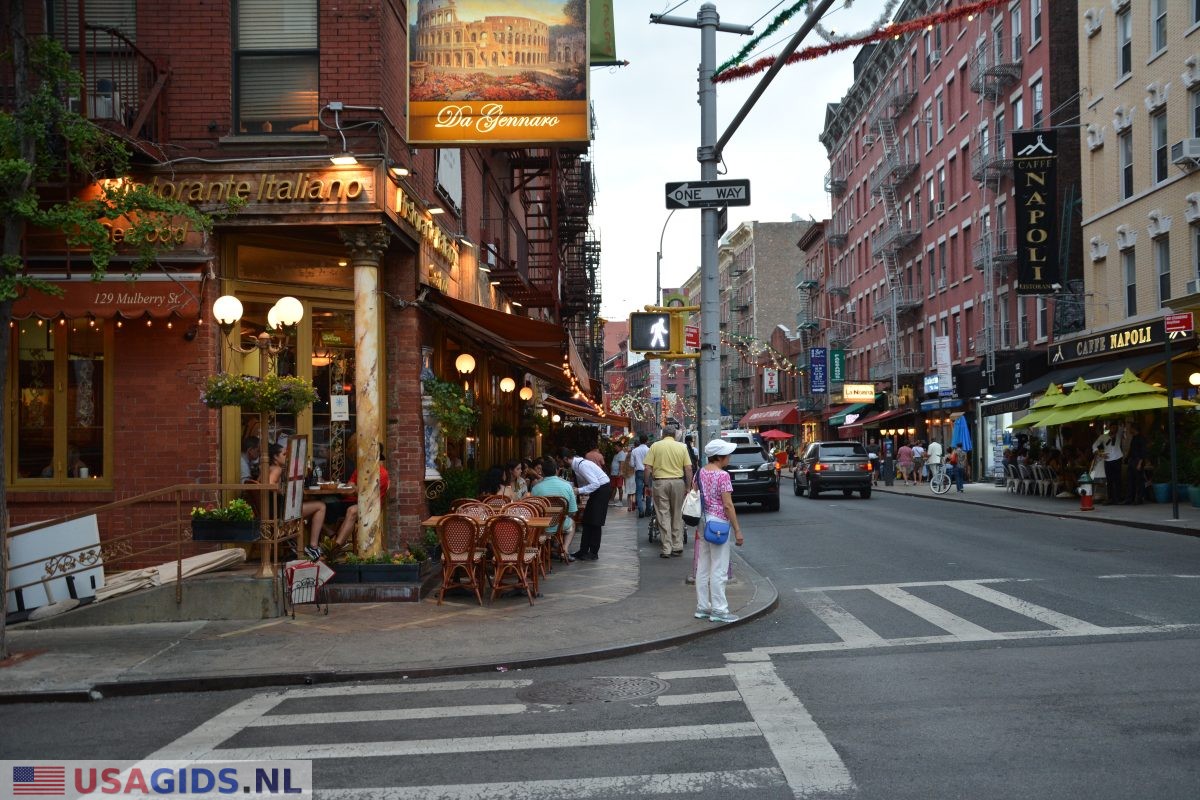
[777, 414]
[155, 295]
[876, 420]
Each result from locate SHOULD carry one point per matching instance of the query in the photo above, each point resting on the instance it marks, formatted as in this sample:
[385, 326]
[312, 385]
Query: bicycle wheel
[940, 483]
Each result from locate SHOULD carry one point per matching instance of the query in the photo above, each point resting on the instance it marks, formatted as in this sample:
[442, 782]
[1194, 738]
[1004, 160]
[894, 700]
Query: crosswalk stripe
[1040, 613]
[492, 744]
[841, 621]
[699, 698]
[387, 714]
[684, 674]
[402, 688]
[805, 755]
[621, 785]
[201, 741]
[935, 615]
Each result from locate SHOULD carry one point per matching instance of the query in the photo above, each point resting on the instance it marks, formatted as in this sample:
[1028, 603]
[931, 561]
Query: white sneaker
[701, 613]
[726, 617]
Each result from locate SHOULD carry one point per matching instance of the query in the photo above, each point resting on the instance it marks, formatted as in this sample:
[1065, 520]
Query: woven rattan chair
[461, 539]
[511, 557]
[544, 502]
[537, 536]
[496, 501]
[477, 510]
[558, 542]
[454, 504]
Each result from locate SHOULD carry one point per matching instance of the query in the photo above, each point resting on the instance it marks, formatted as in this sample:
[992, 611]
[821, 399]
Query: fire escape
[900, 229]
[993, 73]
[808, 328]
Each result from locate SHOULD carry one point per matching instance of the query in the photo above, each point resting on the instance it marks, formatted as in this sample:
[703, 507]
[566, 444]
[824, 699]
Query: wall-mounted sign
[941, 360]
[770, 381]
[837, 366]
[491, 72]
[859, 393]
[1035, 168]
[816, 371]
[931, 384]
[339, 408]
[1118, 340]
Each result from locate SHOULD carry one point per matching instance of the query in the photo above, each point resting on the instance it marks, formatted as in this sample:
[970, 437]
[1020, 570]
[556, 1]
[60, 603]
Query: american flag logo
[39, 780]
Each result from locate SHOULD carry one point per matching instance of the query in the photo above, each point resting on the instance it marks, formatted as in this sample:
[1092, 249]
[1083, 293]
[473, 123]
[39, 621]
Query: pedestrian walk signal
[651, 333]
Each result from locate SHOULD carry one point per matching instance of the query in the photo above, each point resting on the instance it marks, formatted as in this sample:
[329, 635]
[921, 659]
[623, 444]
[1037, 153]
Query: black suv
[833, 465]
[754, 477]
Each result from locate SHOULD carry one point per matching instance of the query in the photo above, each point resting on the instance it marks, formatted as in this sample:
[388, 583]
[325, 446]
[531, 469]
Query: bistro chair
[544, 502]
[538, 537]
[454, 504]
[461, 539]
[511, 557]
[558, 542]
[496, 501]
[476, 510]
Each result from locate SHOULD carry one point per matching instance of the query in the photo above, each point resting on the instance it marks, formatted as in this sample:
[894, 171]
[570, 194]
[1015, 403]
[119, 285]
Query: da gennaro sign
[1119, 340]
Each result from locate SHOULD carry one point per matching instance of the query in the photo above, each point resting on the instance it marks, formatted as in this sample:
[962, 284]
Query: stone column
[366, 246]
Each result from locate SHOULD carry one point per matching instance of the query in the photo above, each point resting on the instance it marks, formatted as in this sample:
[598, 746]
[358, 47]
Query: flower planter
[1181, 492]
[1194, 495]
[1162, 492]
[344, 573]
[219, 530]
[381, 573]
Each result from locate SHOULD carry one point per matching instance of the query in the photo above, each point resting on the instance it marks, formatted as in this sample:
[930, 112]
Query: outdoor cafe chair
[1041, 477]
[461, 538]
[496, 501]
[511, 557]
[559, 509]
[1012, 481]
[475, 509]
[1026, 477]
[454, 504]
[538, 538]
[544, 502]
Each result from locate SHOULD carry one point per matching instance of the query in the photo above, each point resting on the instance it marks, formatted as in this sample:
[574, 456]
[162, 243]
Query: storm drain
[593, 690]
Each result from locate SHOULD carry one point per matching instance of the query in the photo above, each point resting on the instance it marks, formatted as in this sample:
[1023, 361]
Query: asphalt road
[921, 650]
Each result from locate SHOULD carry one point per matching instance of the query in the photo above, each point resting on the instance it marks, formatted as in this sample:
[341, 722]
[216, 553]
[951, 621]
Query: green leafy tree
[41, 142]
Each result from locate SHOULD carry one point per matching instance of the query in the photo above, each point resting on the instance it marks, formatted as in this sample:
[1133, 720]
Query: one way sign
[708, 194]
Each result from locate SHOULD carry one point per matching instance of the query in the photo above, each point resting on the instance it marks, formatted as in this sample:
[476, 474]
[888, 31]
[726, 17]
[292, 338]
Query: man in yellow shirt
[669, 468]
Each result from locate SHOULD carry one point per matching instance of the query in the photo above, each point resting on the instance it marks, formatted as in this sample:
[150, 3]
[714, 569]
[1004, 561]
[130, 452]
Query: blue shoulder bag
[716, 531]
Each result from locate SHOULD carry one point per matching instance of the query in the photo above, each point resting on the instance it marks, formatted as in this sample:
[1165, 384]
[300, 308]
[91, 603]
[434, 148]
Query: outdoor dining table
[531, 522]
[330, 490]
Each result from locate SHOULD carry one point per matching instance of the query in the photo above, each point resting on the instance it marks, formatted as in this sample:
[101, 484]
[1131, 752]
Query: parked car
[754, 477]
[833, 465]
[738, 436]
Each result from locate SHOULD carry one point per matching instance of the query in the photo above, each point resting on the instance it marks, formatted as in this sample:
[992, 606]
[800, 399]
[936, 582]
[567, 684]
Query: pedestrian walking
[669, 468]
[955, 460]
[716, 488]
[918, 452]
[637, 457]
[614, 473]
[904, 460]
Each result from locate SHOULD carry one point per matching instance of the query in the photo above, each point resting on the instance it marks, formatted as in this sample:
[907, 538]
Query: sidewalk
[629, 601]
[1151, 516]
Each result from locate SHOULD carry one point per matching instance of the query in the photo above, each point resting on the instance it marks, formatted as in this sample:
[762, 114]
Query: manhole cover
[593, 690]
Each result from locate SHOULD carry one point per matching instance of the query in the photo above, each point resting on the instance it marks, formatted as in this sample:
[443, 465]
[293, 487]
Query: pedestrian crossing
[851, 632]
[652, 746]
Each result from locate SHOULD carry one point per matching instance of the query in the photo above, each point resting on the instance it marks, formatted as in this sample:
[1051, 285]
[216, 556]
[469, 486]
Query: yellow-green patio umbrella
[1130, 395]
[1041, 408]
[1081, 398]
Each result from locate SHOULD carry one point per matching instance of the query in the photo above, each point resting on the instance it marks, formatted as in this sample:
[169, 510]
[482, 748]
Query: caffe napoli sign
[1118, 340]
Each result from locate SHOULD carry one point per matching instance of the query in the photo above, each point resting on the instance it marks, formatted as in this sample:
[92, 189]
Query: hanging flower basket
[285, 394]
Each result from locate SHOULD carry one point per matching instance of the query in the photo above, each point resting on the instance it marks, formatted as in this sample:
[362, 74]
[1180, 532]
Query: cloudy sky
[648, 129]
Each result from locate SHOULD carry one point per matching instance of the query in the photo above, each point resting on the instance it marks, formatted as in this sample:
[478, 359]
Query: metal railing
[997, 246]
[906, 364]
[904, 298]
[993, 69]
[896, 235]
[991, 160]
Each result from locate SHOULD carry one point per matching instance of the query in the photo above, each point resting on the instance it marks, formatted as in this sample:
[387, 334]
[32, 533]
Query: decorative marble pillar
[366, 246]
[433, 429]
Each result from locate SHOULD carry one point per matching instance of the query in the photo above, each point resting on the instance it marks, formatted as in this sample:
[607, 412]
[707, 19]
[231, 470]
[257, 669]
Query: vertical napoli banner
[490, 72]
[817, 377]
[1035, 172]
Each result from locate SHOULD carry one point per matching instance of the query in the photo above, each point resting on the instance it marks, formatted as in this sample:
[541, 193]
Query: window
[1017, 49]
[1195, 229]
[1124, 43]
[1162, 261]
[1158, 25]
[1194, 105]
[1018, 113]
[275, 66]
[999, 53]
[1036, 99]
[942, 264]
[1158, 128]
[1125, 141]
[62, 398]
[1195, 11]
[941, 189]
[932, 196]
[928, 53]
[940, 119]
[1035, 21]
[1022, 319]
[1000, 133]
[1042, 317]
[1129, 268]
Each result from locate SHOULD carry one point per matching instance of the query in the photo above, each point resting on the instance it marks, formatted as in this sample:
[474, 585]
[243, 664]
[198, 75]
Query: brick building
[402, 261]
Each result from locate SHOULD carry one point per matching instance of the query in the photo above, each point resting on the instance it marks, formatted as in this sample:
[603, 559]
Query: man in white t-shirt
[1108, 446]
[933, 457]
[637, 457]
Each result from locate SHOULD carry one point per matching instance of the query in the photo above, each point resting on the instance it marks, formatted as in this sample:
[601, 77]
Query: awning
[839, 417]
[877, 420]
[532, 344]
[583, 412]
[776, 414]
[1096, 374]
[158, 296]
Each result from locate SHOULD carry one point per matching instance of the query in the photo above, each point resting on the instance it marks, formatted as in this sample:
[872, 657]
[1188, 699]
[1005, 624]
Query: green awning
[854, 408]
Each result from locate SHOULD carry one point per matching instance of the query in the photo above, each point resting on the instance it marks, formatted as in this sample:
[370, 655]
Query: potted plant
[232, 522]
[286, 394]
[451, 407]
[456, 482]
[431, 544]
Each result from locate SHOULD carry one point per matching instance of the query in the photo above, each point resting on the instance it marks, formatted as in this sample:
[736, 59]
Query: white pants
[711, 574]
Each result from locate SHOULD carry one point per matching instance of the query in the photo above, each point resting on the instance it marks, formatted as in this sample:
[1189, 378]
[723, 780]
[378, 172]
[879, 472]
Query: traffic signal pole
[709, 155]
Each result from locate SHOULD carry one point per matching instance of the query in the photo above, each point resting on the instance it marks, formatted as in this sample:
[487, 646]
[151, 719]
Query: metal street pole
[656, 393]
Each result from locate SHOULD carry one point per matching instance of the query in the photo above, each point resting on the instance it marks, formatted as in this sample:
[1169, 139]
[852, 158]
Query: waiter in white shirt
[1108, 446]
[592, 484]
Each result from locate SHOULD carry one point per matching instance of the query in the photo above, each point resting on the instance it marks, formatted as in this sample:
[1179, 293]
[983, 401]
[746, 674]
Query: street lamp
[283, 316]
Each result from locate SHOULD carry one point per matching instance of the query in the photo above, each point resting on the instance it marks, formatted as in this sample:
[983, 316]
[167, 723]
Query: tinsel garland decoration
[892, 31]
[880, 21]
[775, 25]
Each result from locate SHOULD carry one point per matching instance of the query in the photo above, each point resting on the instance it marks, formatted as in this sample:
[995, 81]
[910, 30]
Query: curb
[218, 683]
[1149, 526]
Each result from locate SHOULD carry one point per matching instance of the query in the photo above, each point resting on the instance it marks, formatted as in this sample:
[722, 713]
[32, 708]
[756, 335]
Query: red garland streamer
[899, 29]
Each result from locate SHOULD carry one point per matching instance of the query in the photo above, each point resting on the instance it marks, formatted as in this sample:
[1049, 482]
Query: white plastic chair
[1012, 483]
[1026, 478]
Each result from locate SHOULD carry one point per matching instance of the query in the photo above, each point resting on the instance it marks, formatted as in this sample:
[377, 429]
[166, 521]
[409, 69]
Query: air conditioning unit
[942, 283]
[1193, 286]
[1186, 151]
[851, 307]
[935, 56]
[868, 139]
[939, 208]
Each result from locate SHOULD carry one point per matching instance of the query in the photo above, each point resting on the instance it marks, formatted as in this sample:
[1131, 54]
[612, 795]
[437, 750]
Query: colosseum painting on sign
[514, 50]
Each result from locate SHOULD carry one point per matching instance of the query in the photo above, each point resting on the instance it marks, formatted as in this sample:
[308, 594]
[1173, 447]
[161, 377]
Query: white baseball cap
[719, 447]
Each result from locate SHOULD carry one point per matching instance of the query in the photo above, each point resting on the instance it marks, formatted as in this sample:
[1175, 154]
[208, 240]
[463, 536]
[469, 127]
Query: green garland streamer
[775, 25]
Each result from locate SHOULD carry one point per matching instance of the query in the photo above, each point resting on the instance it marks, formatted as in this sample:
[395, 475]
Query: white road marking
[387, 715]
[494, 744]
[935, 615]
[684, 674]
[847, 626]
[1026, 609]
[699, 698]
[909, 584]
[1139, 575]
[400, 688]
[207, 737]
[622, 785]
[809, 763]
